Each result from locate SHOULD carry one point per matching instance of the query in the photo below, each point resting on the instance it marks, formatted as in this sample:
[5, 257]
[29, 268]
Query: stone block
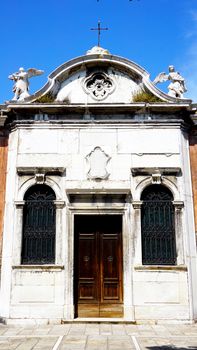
[28, 294]
[102, 137]
[156, 292]
[162, 312]
[148, 141]
[38, 141]
[33, 278]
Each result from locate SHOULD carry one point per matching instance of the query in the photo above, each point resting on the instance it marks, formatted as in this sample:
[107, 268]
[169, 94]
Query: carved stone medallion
[99, 85]
[97, 160]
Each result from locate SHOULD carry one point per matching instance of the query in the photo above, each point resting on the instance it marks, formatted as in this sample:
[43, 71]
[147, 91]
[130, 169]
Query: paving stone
[105, 329]
[118, 329]
[131, 329]
[9, 344]
[92, 329]
[73, 343]
[2, 330]
[96, 342]
[120, 343]
[11, 332]
[77, 329]
[26, 331]
[41, 331]
[46, 343]
[60, 329]
[27, 344]
[103, 336]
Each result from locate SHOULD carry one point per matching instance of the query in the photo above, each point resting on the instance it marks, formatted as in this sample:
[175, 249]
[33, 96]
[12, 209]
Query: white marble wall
[47, 294]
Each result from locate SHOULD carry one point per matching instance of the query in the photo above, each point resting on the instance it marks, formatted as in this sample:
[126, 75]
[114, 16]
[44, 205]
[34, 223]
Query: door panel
[88, 265]
[110, 272]
[98, 266]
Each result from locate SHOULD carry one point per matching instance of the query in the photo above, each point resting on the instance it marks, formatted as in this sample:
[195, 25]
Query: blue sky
[44, 34]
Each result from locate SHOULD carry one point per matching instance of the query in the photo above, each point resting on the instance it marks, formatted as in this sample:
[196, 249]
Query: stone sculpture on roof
[21, 86]
[177, 86]
[97, 50]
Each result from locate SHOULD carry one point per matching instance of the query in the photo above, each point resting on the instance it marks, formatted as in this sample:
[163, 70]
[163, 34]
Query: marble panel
[152, 140]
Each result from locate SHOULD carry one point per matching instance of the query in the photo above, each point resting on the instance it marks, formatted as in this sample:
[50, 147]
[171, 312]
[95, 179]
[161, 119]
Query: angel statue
[177, 86]
[21, 86]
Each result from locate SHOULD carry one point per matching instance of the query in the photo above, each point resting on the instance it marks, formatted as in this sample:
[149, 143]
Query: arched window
[38, 242]
[158, 226]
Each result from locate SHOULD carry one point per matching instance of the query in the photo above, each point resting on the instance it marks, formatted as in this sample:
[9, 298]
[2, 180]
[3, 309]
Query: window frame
[39, 219]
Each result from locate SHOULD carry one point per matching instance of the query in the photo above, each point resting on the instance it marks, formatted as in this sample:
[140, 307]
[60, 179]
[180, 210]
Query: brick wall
[193, 160]
[3, 171]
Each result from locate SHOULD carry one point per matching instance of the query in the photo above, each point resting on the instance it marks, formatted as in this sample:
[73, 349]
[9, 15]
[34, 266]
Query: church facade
[97, 211]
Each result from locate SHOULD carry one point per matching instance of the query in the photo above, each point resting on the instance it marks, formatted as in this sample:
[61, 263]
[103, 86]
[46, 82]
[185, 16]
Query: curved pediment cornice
[66, 84]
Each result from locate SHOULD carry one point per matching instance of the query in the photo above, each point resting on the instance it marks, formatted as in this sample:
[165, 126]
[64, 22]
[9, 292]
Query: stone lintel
[40, 170]
[150, 171]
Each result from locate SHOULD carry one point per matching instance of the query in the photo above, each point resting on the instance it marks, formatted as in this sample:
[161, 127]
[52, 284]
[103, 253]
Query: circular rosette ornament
[99, 85]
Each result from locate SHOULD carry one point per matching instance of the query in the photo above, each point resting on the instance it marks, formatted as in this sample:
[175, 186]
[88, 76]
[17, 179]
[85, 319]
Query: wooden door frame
[109, 308]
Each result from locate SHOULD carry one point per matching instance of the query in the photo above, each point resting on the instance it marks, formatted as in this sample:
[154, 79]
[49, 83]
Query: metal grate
[38, 246]
[158, 229]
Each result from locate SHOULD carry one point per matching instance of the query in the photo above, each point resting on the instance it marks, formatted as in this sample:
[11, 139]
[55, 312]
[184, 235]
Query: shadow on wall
[171, 347]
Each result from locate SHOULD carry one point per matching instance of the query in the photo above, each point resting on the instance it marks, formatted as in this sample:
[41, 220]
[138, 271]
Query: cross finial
[99, 31]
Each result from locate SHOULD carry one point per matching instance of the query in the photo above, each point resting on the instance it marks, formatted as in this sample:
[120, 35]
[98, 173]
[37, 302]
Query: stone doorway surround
[104, 204]
[98, 266]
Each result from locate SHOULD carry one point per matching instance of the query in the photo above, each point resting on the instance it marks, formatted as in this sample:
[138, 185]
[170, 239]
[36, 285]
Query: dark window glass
[158, 229]
[38, 243]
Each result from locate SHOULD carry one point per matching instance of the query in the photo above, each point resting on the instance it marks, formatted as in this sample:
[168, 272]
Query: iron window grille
[158, 227]
[39, 224]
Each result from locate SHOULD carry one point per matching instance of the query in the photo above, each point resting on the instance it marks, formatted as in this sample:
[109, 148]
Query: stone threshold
[95, 320]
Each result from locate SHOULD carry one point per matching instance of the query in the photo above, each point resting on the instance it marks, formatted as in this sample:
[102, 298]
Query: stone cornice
[130, 107]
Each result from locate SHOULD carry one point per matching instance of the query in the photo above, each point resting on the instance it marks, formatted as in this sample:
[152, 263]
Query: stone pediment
[98, 78]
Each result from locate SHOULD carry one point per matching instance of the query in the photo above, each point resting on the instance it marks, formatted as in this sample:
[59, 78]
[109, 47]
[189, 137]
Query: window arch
[39, 218]
[158, 226]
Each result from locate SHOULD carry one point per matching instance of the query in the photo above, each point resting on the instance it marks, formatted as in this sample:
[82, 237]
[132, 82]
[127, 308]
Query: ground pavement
[99, 336]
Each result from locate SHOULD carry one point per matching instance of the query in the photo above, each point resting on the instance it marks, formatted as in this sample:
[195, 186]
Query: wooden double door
[98, 266]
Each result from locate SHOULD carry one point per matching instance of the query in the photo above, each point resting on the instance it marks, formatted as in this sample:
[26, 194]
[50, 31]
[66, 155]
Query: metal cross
[99, 31]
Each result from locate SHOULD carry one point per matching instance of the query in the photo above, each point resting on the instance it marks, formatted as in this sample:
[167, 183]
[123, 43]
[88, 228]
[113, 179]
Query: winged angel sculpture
[21, 79]
[177, 86]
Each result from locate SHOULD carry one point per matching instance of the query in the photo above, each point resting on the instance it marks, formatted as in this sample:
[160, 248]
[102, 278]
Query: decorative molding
[137, 204]
[19, 204]
[59, 204]
[99, 85]
[3, 118]
[179, 205]
[40, 178]
[98, 161]
[156, 179]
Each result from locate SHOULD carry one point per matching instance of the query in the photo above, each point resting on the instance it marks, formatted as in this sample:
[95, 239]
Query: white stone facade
[131, 156]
